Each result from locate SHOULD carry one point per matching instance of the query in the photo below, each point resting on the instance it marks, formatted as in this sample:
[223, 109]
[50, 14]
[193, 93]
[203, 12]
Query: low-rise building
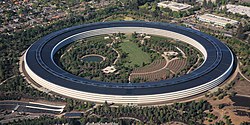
[213, 1]
[216, 20]
[242, 10]
[174, 6]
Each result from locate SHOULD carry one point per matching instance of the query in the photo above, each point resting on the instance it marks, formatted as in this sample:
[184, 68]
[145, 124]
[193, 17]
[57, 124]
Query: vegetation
[136, 51]
[18, 88]
[135, 56]
[162, 44]
[43, 120]
[71, 57]
[14, 43]
[222, 92]
[77, 105]
[189, 112]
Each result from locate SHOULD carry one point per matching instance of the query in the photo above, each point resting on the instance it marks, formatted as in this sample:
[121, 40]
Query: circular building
[41, 68]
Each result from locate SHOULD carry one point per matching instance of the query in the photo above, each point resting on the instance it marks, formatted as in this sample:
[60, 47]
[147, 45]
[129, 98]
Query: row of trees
[17, 88]
[189, 112]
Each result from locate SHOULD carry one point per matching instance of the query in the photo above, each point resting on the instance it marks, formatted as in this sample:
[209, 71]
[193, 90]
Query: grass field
[119, 18]
[135, 54]
[159, 38]
[99, 38]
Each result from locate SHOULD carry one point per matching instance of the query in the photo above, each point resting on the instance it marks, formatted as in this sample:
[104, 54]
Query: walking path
[244, 76]
[183, 54]
[241, 72]
[111, 45]
[118, 55]
[131, 118]
[198, 60]
[243, 95]
[164, 67]
[8, 79]
[67, 51]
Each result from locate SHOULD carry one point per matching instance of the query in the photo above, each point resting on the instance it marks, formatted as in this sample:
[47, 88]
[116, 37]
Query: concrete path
[131, 118]
[198, 60]
[241, 72]
[7, 79]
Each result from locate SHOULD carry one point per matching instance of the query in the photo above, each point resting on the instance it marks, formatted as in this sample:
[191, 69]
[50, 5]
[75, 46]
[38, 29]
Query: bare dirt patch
[242, 87]
[228, 110]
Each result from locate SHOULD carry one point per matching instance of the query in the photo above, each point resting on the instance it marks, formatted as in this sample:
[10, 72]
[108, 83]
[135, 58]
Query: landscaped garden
[124, 58]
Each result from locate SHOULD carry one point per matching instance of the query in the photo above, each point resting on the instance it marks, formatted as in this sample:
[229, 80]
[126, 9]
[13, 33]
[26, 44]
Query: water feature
[241, 101]
[92, 58]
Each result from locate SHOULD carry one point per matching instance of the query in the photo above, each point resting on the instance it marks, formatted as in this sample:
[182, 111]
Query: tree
[228, 26]
[240, 31]
[133, 4]
[221, 106]
[210, 4]
[204, 3]
[1, 72]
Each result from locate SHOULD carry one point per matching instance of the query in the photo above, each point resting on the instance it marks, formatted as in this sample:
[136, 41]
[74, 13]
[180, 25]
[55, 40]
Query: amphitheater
[40, 66]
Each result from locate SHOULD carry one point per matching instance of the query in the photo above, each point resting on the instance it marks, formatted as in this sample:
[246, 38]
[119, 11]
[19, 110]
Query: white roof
[174, 5]
[243, 10]
[217, 19]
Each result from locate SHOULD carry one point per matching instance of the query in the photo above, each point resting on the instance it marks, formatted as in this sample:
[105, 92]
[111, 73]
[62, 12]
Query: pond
[241, 101]
[92, 59]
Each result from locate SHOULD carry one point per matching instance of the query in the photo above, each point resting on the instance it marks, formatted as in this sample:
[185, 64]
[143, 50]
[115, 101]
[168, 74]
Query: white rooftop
[109, 69]
[174, 5]
[242, 10]
[218, 20]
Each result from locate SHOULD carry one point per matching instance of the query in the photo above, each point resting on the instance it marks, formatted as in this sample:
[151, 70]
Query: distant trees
[244, 123]
[44, 120]
[189, 112]
[16, 88]
[240, 31]
[77, 105]
[204, 3]
[208, 4]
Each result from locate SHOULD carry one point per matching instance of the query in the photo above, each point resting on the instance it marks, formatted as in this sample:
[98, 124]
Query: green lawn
[159, 38]
[99, 38]
[135, 54]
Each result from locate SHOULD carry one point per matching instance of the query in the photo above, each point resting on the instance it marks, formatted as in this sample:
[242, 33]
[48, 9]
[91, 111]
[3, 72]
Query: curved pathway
[8, 79]
[171, 61]
[118, 54]
[241, 72]
[194, 64]
[244, 76]
[65, 53]
[131, 118]
[164, 67]
[183, 54]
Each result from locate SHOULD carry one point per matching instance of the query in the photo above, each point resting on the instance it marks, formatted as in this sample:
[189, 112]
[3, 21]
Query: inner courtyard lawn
[135, 54]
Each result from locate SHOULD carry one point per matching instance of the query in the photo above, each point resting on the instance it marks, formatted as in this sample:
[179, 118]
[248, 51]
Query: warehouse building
[242, 10]
[216, 20]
